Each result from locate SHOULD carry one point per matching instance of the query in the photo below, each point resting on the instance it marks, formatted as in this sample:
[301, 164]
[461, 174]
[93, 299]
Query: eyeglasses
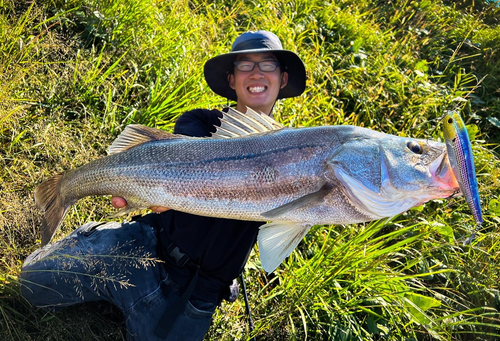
[264, 66]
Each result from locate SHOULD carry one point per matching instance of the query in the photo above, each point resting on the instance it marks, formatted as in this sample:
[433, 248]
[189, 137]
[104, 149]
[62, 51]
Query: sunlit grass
[74, 73]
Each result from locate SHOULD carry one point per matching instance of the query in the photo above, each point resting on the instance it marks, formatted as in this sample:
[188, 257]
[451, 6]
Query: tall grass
[74, 73]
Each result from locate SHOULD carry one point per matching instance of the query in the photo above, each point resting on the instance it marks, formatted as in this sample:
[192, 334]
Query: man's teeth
[256, 89]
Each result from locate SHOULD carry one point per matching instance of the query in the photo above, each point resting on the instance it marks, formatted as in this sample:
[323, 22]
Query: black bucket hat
[218, 68]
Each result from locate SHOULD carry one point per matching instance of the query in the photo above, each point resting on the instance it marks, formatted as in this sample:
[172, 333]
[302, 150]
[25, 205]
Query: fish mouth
[442, 174]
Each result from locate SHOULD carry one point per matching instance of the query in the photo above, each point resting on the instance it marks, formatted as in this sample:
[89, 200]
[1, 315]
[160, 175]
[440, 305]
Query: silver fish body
[292, 177]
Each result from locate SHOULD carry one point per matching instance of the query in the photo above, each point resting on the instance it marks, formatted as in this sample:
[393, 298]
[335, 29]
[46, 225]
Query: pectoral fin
[277, 241]
[315, 197]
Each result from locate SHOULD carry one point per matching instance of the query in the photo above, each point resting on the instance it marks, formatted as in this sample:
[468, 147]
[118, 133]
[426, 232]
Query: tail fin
[48, 200]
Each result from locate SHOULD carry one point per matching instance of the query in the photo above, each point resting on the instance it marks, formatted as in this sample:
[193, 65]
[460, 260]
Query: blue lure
[462, 162]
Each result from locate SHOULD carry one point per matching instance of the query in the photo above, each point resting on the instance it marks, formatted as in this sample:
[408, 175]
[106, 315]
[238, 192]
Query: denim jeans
[116, 262]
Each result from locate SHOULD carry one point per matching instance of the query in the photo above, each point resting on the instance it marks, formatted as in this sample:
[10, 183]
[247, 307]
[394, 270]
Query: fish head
[384, 175]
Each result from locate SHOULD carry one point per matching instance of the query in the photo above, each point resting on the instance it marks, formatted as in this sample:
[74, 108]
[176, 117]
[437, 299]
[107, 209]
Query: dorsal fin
[236, 124]
[136, 134]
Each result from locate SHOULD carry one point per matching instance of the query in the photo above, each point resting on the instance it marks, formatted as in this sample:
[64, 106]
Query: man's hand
[119, 202]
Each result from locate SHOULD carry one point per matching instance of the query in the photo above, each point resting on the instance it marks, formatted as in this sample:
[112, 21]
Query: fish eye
[415, 147]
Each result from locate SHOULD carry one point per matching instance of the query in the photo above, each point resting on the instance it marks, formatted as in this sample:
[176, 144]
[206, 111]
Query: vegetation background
[74, 73]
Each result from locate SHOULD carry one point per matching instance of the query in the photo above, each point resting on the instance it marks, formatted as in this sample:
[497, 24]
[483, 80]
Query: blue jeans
[118, 263]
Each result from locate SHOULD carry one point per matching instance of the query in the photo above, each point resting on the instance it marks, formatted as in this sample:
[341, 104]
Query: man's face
[257, 89]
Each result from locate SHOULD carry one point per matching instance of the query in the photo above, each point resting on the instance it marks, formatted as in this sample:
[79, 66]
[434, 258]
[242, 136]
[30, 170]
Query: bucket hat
[218, 68]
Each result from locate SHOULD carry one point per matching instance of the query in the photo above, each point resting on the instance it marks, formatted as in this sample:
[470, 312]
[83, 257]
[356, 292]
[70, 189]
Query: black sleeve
[198, 122]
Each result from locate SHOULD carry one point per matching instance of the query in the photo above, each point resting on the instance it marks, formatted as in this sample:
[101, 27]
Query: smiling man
[175, 299]
[257, 80]
[278, 74]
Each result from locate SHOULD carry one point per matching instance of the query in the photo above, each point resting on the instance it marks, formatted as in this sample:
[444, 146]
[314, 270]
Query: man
[175, 299]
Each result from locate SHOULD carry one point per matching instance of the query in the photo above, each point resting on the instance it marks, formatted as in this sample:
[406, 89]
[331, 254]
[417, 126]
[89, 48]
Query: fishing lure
[462, 162]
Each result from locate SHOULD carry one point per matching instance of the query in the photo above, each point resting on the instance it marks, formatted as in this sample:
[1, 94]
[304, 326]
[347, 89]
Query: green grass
[74, 73]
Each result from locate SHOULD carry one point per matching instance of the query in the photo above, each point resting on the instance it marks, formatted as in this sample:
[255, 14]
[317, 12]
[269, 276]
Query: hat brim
[218, 68]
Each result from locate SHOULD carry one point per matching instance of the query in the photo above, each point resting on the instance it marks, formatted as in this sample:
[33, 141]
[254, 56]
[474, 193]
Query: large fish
[253, 168]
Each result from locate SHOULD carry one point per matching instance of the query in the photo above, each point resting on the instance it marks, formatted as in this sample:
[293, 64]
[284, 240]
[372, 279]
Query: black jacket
[220, 247]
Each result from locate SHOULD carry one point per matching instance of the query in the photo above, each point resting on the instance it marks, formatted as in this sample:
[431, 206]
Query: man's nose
[256, 73]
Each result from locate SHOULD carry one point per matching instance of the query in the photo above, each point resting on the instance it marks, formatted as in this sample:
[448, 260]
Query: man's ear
[230, 80]
[284, 79]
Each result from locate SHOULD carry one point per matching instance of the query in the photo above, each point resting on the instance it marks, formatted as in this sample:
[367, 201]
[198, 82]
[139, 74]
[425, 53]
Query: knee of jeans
[35, 289]
[47, 297]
